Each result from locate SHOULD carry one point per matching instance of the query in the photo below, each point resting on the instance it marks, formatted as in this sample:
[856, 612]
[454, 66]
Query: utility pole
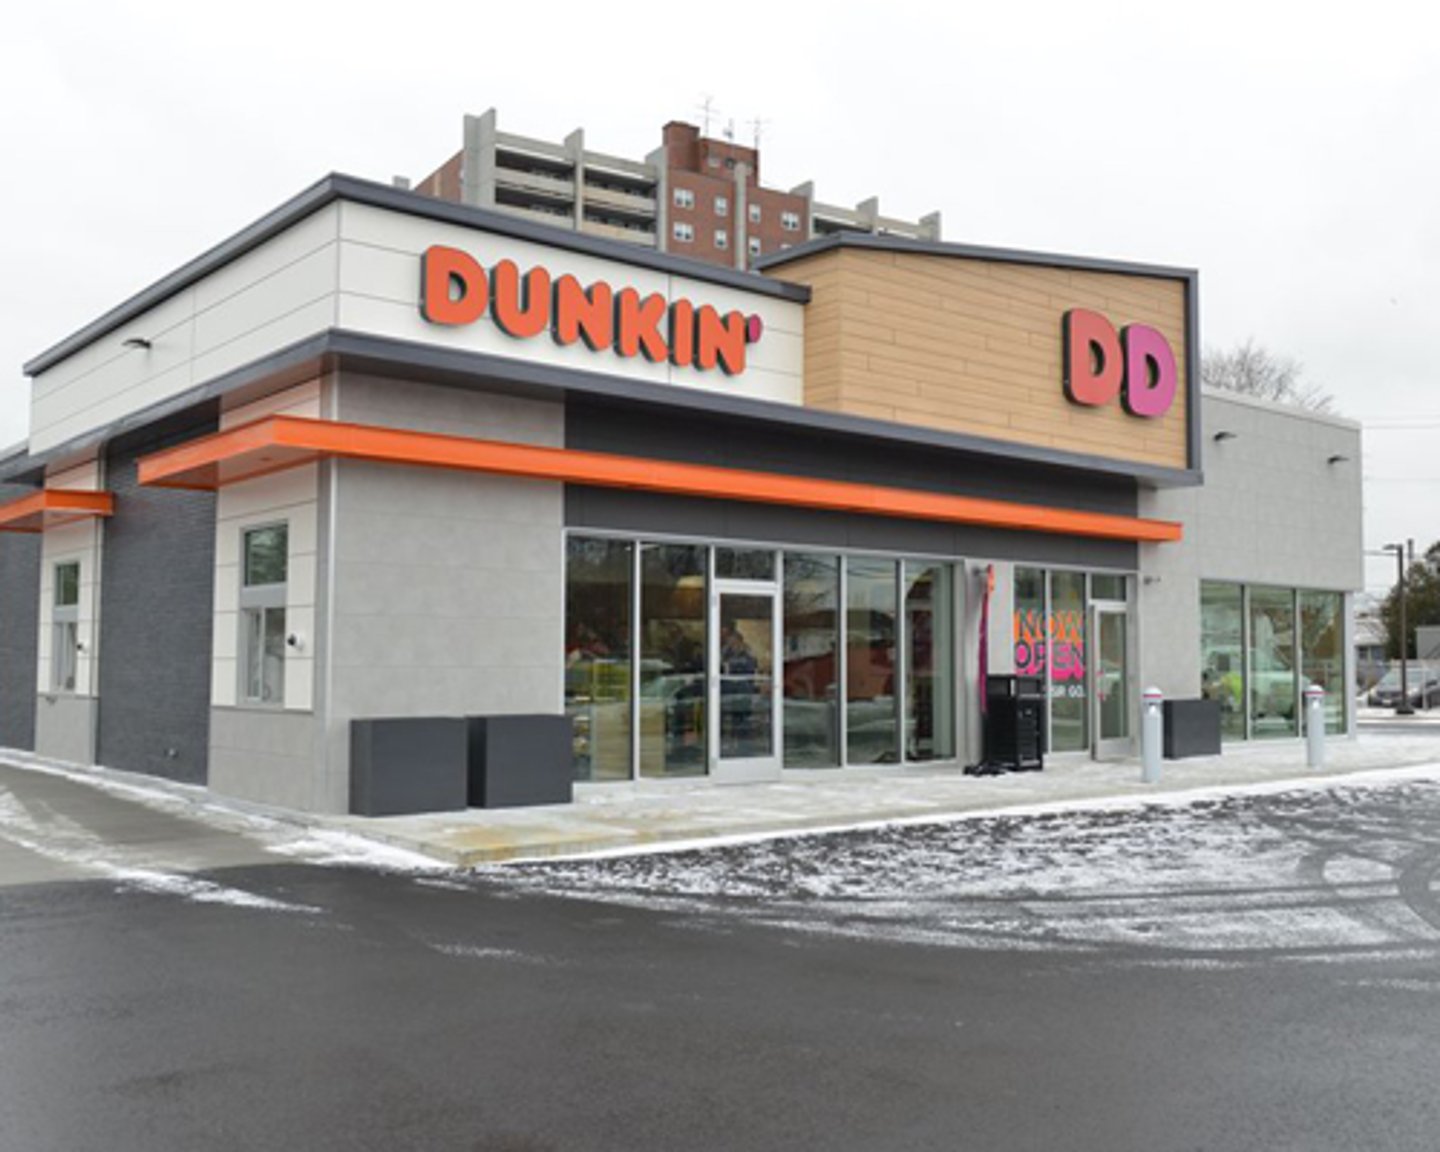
[1403, 708]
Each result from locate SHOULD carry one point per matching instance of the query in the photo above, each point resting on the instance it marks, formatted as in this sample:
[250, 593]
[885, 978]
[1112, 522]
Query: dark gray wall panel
[19, 630]
[732, 443]
[157, 590]
[737, 444]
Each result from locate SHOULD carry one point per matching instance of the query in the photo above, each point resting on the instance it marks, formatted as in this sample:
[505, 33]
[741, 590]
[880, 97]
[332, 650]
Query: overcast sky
[1289, 151]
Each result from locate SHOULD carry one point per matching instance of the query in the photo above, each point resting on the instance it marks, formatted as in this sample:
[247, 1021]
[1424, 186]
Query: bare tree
[1253, 370]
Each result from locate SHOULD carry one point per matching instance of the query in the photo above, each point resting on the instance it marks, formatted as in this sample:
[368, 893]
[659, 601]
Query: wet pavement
[1238, 973]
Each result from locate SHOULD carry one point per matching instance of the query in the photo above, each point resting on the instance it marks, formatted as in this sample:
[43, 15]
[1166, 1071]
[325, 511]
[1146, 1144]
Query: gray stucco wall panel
[156, 616]
[447, 586]
[65, 727]
[262, 755]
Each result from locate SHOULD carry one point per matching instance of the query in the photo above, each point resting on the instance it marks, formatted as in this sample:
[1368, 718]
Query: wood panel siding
[968, 345]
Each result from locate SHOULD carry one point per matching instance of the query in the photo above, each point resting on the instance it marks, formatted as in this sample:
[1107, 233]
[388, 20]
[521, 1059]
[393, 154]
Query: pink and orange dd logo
[1135, 363]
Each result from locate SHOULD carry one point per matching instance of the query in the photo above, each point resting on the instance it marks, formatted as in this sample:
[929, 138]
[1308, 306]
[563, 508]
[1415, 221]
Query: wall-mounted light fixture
[136, 342]
[1221, 437]
[1337, 459]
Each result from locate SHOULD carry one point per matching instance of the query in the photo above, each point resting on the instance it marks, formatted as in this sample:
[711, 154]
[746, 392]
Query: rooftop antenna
[730, 131]
[707, 108]
[757, 129]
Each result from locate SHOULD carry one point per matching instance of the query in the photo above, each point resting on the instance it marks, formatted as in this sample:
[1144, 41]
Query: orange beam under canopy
[51, 507]
[276, 443]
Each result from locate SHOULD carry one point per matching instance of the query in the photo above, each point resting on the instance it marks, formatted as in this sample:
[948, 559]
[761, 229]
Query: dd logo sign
[1135, 363]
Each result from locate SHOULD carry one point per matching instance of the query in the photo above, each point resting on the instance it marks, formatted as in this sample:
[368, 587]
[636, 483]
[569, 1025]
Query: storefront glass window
[673, 686]
[1222, 663]
[1272, 663]
[744, 564]
[812, 646]
[929, 662]
[1029, 623]
[1107, 586]
[1322, 647]
[870, 611]
[598, 607]
[1065, 639]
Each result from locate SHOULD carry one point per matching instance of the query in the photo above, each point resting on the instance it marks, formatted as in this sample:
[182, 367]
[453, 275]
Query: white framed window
[264, 570]
[65, 633]
[753, 244]
[722, 238]
[722, 206]
[683, 232]
[790, 221]
[684, 198]
[754, 211]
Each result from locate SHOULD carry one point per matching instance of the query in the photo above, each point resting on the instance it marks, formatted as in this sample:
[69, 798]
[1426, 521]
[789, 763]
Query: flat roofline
[882, 243]
[336, 187]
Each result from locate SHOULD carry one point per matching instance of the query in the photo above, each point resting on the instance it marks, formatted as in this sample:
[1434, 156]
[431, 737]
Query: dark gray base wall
[268, 757]
[65, 727]
[19, 632]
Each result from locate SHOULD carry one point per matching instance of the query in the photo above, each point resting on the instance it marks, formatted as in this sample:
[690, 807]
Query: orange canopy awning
[275, 443]
[51, 507]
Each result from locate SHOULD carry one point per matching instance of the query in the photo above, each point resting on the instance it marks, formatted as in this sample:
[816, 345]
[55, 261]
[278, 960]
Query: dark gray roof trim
[338, 187]
[383, 355]
[968, 251]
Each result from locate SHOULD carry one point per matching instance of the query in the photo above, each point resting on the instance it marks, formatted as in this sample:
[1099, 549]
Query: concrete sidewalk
[665, 815]
[668, 815]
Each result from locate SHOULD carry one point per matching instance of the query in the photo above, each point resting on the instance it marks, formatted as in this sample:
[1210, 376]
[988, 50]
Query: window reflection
[1222, 662]
[929, 683]
[672, 660]
[597, 655]
[1272, 663]
[812, 629]
[870, 610]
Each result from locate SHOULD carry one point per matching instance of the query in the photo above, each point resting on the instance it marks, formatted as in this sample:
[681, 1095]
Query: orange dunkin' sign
[456, 290]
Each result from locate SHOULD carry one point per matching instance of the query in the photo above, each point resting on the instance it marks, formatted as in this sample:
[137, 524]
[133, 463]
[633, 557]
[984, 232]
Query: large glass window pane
[812, 646]
[67, 585]
[1322, 648]
[1222, 654]
[1029, 622]
[1112, 676]
[871, 725]
[745, 564]
[598, 608]
[266, 555]
[747, 675]
[672, 660]
[1272, 663]
[929, 662]
[1107, 586]
[1065, 654]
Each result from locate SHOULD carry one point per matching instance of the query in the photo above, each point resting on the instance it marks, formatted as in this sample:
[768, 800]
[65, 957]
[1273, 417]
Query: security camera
[295, 640]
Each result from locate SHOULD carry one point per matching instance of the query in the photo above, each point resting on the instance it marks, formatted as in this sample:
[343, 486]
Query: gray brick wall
[156, 613]
[19, 630]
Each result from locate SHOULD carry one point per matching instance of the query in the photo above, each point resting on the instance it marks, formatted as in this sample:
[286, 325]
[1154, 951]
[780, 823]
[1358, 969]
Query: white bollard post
[1152, 734]
[1315, 726]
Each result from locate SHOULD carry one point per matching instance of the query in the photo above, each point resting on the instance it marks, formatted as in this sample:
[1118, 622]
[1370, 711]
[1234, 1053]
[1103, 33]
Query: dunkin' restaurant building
[379, 456]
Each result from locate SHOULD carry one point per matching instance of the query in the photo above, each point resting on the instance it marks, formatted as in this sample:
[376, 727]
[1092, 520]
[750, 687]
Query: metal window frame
[65, 622]
[262, 598]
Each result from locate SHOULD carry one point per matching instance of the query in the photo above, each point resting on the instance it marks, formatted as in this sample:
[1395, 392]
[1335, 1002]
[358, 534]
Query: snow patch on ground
[66, 842]
[1282, 873]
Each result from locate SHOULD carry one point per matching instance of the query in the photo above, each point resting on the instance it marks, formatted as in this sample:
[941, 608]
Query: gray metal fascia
[967, 251]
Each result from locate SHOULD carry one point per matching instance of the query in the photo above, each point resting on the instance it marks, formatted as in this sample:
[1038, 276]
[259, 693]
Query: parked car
[1422, 681]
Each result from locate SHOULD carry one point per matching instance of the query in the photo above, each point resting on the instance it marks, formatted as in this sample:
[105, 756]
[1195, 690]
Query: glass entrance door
[744, 638]
[1111, 691]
